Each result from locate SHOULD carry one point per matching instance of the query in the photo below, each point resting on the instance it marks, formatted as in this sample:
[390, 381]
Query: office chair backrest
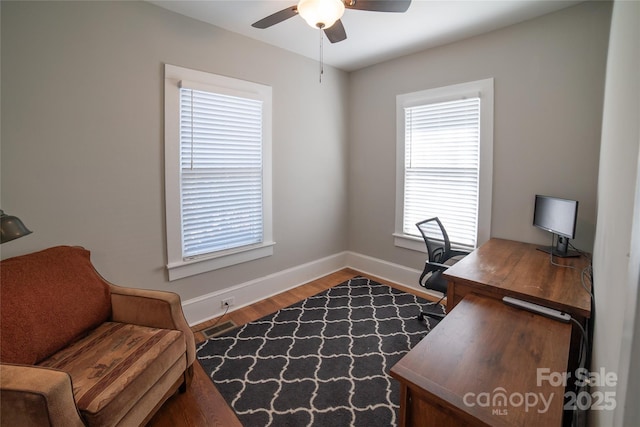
[436, 239]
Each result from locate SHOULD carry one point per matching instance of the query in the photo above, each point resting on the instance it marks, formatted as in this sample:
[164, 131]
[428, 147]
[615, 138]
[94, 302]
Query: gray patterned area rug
[321, 362]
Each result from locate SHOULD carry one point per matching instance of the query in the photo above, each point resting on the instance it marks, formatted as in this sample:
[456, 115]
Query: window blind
[442, 143]
[220, 172]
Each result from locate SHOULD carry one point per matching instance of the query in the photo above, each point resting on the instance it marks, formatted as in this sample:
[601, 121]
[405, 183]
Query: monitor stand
[560, 250]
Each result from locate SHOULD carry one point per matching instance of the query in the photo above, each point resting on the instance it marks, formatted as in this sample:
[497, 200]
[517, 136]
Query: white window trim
[481, 88]
[177, 266]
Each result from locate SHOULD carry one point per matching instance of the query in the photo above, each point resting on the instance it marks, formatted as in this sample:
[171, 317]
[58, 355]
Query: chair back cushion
[49, 299]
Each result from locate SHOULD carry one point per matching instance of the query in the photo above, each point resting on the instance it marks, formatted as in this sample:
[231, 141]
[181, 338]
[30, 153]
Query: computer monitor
[557, 216]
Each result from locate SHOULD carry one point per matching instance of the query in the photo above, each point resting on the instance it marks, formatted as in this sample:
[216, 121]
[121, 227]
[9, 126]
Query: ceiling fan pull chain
[321, 53]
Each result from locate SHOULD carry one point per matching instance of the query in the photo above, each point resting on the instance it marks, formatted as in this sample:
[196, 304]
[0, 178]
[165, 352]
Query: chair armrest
[455, 252]
[437, 266]
[155, 309]
[35, 396]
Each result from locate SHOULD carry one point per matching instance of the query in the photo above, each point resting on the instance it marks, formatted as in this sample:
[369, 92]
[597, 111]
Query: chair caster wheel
[421, 317]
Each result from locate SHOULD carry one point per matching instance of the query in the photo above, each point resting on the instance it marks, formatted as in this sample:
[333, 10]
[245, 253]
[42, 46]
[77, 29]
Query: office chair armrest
[437, 266]
[455, 252]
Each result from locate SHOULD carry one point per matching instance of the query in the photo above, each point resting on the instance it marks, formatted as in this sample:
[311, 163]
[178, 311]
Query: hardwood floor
[202, 405]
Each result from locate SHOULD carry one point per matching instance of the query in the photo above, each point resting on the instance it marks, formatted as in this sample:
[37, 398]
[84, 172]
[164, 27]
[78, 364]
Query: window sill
[409, 242]
[191, 267]
[417, 244]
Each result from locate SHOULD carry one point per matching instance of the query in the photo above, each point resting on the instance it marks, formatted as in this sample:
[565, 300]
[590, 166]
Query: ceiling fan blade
[336, 32]
[378, 5]
[276, 18]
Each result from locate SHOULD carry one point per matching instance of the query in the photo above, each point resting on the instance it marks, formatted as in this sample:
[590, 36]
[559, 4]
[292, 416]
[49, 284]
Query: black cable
[584, 358]
[220, 318]
[584, 355]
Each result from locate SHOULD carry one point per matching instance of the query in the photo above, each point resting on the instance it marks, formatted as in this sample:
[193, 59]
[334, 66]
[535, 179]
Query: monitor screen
[556, 215]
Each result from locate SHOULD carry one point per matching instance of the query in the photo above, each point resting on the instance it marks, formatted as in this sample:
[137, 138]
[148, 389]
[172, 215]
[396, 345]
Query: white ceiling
[372, 37]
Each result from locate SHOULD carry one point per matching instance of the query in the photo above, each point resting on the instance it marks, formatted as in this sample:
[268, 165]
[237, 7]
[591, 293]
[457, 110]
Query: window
[217, 171]
[444, 163]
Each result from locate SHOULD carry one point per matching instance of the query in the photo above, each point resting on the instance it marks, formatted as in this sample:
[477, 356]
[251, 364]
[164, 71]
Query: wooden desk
[507, 268]
[482, 346]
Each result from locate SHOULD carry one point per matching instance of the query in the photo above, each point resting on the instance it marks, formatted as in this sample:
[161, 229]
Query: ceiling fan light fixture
[321, 13]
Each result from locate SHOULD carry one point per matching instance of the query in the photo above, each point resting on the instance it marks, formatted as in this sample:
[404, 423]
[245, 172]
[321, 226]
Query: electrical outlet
[227, 302]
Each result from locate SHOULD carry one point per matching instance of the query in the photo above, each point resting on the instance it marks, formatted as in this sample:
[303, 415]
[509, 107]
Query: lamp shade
[321, 13]
[11, 228]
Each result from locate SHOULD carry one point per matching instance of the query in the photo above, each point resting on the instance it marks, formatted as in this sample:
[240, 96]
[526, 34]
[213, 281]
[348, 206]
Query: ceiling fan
[326, 14]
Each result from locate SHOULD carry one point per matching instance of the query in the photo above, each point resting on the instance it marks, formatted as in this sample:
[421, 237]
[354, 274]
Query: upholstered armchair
[76, 350]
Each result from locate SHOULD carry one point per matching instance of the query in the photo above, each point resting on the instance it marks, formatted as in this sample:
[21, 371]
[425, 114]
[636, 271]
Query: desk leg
[404, 405]
[451, 296]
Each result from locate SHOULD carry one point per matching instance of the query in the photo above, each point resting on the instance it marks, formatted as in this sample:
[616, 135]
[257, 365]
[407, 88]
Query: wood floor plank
[202, 405]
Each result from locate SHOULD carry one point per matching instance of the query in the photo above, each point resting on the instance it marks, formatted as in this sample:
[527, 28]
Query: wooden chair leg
[188, 377]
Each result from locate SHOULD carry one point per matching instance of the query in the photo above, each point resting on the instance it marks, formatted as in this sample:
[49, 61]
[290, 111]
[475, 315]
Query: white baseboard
[388, 271]
[206, 307]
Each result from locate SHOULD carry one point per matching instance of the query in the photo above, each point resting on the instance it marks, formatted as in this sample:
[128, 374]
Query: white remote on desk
[539, 309]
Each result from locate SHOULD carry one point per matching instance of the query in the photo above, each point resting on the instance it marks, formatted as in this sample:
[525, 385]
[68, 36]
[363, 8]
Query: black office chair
[441, 257]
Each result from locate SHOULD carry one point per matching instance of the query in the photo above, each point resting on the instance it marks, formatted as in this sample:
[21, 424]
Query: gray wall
[82, 159]
[549, 79]
[616, 253]
[82, 137]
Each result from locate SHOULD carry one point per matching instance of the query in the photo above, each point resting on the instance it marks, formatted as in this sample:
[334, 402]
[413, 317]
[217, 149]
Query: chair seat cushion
[115, 365]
